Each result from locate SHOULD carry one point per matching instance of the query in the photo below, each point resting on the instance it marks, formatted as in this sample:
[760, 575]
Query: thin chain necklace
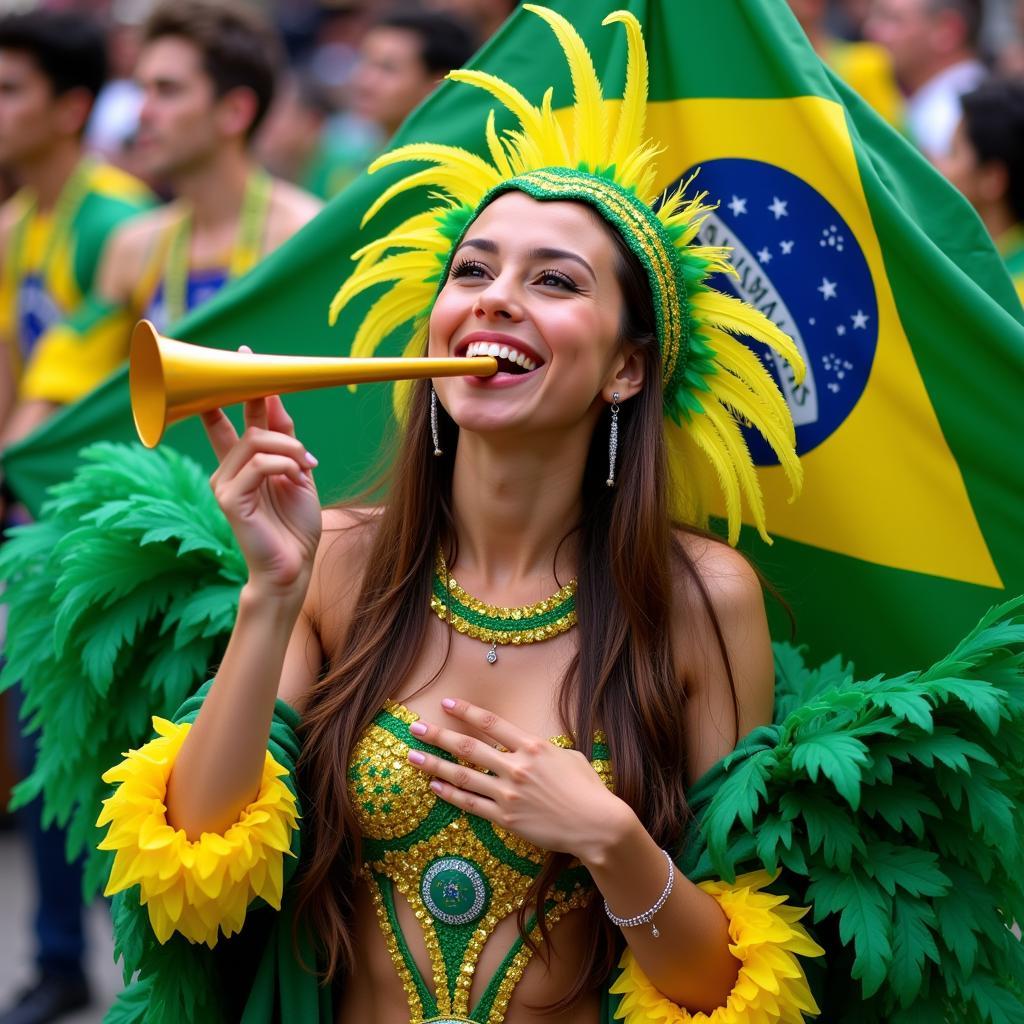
[245, 252]
[495, 624]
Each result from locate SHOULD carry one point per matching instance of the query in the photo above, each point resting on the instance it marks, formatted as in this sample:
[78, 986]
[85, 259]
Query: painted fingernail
[312, 459]
[435, 785]
[417, 757]
[448, 703]
[418, 729]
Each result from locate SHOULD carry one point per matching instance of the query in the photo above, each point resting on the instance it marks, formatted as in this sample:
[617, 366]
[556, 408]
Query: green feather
[122, 596]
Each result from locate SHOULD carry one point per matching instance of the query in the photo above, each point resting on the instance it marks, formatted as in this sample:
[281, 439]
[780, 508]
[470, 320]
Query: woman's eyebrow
[545, 253]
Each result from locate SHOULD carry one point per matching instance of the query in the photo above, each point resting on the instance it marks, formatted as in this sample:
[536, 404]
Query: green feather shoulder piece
[893, 807]
[121, 596]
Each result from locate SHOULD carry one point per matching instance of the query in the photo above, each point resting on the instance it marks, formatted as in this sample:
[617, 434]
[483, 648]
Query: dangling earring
[613, 440]
[434, 432]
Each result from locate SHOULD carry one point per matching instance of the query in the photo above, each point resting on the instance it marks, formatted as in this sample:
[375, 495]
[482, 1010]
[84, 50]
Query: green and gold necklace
[493, 624]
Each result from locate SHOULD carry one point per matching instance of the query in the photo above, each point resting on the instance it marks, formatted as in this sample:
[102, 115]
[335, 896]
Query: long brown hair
[622, 678]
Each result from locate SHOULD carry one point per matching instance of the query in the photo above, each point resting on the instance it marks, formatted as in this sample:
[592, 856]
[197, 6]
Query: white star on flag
[778, 207]
[827, 288]
[765, 255]
[786, 247]
[841, 330]
[860, 320]
[738, 206]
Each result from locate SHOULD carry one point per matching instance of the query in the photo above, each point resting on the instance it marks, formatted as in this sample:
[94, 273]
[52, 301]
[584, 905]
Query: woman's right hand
[264, 485]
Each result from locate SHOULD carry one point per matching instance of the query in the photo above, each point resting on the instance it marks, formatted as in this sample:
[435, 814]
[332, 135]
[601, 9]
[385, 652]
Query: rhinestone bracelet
[648, 915]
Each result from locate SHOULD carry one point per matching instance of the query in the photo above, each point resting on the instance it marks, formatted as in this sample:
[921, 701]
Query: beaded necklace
[244, 253]
[495, 624]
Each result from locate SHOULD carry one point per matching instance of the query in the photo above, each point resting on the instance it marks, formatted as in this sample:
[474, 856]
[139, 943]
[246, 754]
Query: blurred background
[948, 74]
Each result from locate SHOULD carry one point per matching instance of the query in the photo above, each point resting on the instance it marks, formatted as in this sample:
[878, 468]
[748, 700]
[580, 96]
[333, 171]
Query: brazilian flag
[911, 419]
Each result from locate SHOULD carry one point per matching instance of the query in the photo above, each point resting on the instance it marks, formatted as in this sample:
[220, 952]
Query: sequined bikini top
[461, 874]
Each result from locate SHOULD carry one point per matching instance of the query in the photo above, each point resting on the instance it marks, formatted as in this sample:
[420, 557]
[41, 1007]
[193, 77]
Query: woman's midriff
[374, 994]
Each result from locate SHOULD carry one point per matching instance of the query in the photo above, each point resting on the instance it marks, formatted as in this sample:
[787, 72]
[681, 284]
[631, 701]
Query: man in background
[52, 232]
[207, 72]
[934, 49]
[403, 57]
[986, 163]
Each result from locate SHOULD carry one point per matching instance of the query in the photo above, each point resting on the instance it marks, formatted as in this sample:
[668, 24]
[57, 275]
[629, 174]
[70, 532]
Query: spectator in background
[486, 16]
[402, 58]
[986, 164]
[865, 67]
[295, 141]
[207, 71]
[52, 65]
[934, 50]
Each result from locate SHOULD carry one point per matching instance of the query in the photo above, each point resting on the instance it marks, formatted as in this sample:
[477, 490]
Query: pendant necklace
[495, 624]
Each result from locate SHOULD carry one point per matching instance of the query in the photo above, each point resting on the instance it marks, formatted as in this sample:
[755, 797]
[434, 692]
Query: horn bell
[170, 380]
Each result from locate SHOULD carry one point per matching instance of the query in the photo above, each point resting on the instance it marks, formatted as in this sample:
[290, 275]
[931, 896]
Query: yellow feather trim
[201, 887]
[629, 133]
[735, 317]
[770, 988]
[590, 128]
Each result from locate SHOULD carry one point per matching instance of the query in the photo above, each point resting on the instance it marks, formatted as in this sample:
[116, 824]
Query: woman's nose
[497, 301]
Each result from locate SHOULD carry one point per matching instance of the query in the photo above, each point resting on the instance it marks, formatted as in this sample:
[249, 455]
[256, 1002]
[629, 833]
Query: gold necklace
[496, 624]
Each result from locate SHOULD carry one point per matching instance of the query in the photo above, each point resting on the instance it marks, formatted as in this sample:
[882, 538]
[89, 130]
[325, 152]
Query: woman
[445, 837]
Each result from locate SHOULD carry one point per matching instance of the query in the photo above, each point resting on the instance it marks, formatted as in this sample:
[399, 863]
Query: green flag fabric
[910, 419]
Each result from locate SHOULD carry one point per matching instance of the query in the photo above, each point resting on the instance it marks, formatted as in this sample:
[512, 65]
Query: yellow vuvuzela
[170, 380]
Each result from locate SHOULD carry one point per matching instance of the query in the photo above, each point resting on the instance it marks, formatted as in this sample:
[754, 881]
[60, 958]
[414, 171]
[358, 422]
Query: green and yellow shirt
[49, 269]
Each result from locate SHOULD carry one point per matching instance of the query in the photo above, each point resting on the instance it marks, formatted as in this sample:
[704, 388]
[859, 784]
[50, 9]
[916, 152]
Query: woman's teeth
[490, 348]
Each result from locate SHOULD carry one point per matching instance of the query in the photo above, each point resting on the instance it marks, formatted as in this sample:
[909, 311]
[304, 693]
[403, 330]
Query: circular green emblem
[454, 891]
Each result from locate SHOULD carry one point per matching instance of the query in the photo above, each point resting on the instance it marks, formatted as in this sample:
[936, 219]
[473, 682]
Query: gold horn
[170, 380]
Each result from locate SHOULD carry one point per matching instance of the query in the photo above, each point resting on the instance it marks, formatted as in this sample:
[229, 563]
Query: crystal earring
[434, 432]
[613, 440]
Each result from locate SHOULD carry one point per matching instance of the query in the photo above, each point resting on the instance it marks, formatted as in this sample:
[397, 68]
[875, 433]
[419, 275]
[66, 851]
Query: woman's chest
[522, 685]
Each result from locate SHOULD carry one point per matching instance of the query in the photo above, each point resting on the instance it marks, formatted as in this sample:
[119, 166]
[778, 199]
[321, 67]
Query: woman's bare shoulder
[731, 583]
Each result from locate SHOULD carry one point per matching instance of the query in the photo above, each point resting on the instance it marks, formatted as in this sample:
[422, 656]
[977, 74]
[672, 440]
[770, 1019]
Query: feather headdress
[712, 382]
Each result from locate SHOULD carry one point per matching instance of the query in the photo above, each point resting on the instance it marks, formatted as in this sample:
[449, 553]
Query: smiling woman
[487, 837]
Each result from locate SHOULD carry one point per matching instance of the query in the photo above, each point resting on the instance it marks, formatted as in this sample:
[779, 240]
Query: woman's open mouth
[512, 359]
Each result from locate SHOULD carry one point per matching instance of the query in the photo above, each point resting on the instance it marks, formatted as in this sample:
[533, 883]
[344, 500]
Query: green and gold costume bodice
[461, 874]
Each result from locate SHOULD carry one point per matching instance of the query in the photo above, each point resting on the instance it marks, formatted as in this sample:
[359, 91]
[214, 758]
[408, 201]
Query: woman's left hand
[550, 796]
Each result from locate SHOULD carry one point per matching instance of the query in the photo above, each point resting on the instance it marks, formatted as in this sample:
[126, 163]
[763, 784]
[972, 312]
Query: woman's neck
[513, 505]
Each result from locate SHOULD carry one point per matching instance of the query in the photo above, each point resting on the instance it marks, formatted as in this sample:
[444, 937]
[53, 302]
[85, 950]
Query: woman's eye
[468, 268]
[556, 279]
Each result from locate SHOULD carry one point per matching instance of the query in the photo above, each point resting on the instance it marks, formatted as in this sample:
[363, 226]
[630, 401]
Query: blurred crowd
[151, 150]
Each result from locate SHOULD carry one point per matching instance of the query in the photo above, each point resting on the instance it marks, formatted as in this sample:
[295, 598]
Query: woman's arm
[265, 488]
[273, 650]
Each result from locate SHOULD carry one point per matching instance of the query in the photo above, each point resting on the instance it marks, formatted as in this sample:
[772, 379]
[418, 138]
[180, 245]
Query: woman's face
[534, 283]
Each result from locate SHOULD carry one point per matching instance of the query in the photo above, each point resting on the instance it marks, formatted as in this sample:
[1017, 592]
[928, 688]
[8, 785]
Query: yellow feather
[735, 317]
[403, 303]
[709, 442]
[742, 467]
[507, 95]
[551, 142]
[589, 117]
[413, 266]
[773, 423]
[462, 174]
[498, 155]
[733, 355]
[418, 232]
[629, 134]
